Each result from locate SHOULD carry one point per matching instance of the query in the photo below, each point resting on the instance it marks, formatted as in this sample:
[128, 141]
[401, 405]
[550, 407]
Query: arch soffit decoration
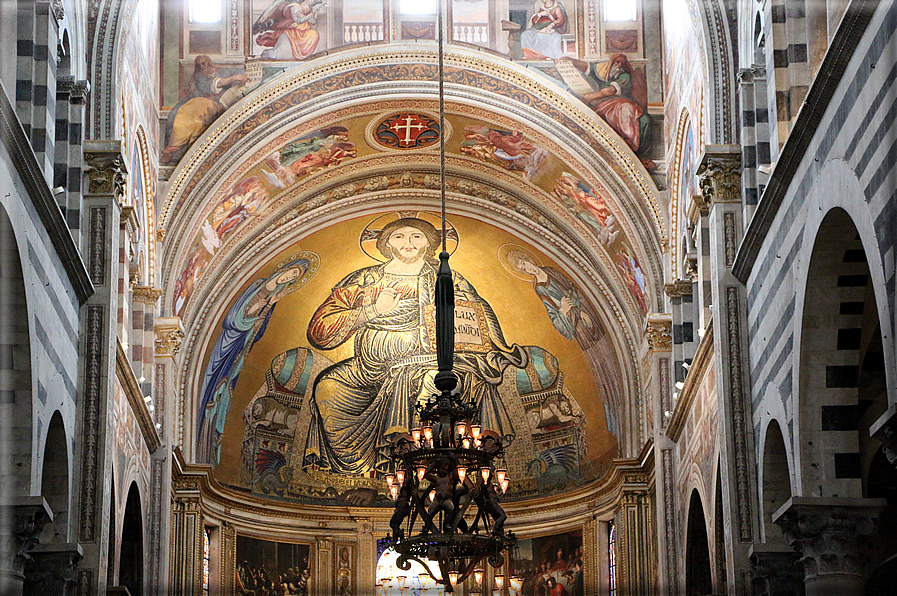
[675, 176]
[200, 173]
[279, 105]
[719, 35]
[106, 19]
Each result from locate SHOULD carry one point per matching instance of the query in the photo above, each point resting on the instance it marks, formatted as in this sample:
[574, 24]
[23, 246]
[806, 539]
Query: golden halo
[371, 232]
[314, 261]
[505, 250]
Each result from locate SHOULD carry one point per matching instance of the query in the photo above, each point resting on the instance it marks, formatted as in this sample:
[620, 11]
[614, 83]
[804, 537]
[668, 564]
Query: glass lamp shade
[453, 577]
[504, 485]
[428, 433]
[485, 473]
[400, 477]
[460, 429]
[462, 473]
[516, 582]
[401, 580]
[420, 473]
[394, 492]
[475, 431]
[390, 479]
[500, 474]
[465, 443]
[478, 577]
[499, 581]
[432, 495]
[415, 434]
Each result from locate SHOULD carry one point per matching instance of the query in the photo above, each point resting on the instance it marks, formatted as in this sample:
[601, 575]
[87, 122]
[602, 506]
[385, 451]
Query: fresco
[266, 568]
[248, 196]
[509, 149]
[305, 407]
[616, 91]
[208, 92]
[288, 30]
[589, 205]
[552, 565]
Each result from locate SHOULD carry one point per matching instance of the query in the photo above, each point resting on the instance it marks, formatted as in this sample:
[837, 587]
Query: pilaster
[185, 570]
[720, 183]
[324, 566]
[834, 538]
[659, 334]
[638, 570]
[92, 470]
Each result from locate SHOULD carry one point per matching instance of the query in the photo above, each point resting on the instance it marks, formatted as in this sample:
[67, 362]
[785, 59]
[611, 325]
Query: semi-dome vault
[281, 223]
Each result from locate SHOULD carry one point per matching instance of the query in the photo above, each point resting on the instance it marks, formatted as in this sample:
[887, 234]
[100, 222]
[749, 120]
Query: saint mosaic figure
[243, 326]
[387, 311]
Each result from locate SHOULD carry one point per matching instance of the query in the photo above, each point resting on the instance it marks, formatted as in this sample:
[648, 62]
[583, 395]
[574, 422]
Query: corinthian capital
[719, 177]
[659, 332]
[833, 535]
[169, 335]
[105, 167]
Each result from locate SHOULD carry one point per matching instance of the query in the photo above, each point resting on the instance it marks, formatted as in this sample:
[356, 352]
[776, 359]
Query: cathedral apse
[323, 357]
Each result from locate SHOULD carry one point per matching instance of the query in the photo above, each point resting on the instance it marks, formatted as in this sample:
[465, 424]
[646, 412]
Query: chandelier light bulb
[485, 472]
[400, 477]
[478, 576]
[475, 431]
[462, 473]
[500, 474]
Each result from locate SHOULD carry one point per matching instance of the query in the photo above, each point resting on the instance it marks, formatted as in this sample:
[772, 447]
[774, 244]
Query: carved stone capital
[659, 332]
[58, 10]
[146, 294]
[776, 570]
[834, 538]
[21, 525]
[105, 168]
[719, 179]
[887, 434]
[169, 335]
[52, 569]
[678, 288]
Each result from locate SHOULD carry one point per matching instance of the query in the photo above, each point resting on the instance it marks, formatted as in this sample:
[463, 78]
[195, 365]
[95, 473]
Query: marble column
[834, 537]
[51, 570]
[637, 568]
[21, 525]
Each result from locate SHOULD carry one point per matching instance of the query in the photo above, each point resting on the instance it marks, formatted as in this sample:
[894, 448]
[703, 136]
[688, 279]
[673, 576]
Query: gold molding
[659, 332]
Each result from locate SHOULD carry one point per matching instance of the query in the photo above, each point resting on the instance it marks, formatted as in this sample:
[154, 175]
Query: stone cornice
[847, 37]
[702, 360]
[527, 517]
[19, 150]
[679, 288]
[131, 387]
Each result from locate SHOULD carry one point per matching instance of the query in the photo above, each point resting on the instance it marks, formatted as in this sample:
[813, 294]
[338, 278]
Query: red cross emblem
[408, 131]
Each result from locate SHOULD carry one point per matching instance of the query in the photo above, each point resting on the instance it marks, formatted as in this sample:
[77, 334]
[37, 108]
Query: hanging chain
[441, 120]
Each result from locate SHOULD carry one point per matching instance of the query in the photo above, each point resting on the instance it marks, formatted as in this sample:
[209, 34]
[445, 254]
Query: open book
[576, 80]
